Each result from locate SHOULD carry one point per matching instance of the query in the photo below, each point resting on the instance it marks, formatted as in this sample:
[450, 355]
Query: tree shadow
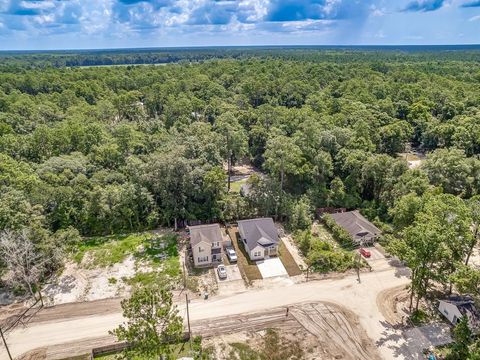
[393, 338]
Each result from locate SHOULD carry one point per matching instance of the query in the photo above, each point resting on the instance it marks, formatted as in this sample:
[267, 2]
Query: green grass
[236, 185]
[288, 261]
[248, 268]
[182, 349]
[109, 250]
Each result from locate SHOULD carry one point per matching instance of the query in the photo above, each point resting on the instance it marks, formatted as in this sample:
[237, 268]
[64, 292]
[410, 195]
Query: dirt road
[357, 298]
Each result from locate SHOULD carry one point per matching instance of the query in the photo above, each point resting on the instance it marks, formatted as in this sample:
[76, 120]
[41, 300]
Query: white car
[231, 254]
[222, 272]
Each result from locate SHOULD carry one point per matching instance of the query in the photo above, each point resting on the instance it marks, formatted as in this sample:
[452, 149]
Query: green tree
[462, 337]
[234, 140]
[152, 323]
[301, 215]
[282, 157]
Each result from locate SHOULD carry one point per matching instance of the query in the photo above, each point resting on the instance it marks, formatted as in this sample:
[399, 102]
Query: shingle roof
[258, 232]
[208, 233]
[467, 308]
[356, 225]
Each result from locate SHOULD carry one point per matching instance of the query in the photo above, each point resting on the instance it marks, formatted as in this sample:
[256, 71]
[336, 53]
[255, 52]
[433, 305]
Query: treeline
[115, 149]
[337, 54]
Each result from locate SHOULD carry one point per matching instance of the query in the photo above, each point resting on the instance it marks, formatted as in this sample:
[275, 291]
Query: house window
[202, 259]
[216, 244]
[200, 249]
[257, 254]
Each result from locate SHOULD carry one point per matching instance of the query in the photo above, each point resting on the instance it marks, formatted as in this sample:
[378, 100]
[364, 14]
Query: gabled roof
[467, 308]
[207, 233]
[356, 225]
[258, 232]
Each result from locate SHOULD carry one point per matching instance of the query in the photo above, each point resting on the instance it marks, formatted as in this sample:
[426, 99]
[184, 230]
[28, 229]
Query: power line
[6, 346]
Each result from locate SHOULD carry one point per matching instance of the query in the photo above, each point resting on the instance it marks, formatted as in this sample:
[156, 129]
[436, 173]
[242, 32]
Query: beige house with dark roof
[207, 242]
[260, 237]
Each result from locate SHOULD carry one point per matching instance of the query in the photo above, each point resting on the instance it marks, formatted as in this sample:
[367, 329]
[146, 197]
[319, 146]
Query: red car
[365, 253]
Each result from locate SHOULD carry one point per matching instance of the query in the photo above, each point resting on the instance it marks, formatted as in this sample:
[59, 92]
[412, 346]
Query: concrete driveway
[233, 273]
[271, 268]
[233, 283]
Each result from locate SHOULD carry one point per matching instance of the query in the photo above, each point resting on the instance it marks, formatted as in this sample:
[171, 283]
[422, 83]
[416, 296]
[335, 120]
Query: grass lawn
[182, 349]
[236, 185]
[247, 267]
[288, 261]
[108, 250]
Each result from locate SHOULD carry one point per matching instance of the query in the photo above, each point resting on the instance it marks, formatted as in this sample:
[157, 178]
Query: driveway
[271, 268]
[233, 283]
[377, 261]
[233, 273]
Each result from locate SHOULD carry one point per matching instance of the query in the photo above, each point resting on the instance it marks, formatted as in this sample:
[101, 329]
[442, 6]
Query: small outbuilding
[456, 307]
[360, 229]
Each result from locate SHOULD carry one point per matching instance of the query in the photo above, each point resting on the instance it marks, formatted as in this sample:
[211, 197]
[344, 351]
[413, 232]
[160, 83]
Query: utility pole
[5, 343]
[358, 266]
[184, 277]
[188, 319]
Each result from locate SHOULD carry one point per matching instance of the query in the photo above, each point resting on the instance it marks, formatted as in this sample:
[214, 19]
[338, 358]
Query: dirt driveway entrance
[271, 268]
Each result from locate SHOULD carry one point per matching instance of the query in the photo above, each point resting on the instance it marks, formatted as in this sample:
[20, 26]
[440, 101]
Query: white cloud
[474, 18]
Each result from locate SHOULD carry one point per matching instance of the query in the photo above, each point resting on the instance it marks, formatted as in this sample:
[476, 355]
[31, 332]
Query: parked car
[365, 253]
[222, 272]
[231, 254]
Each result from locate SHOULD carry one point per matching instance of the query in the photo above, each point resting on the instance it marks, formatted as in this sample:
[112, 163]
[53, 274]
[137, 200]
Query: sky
[89, 24]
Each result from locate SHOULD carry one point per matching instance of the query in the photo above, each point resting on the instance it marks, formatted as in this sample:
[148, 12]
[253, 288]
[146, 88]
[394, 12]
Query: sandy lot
[322, 330]
[78, 283]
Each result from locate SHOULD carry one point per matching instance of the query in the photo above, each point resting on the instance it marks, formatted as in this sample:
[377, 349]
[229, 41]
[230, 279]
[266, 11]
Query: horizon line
[242, 46]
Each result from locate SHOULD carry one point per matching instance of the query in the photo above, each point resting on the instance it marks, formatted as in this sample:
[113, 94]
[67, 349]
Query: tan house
[260, 237]
[207, 242]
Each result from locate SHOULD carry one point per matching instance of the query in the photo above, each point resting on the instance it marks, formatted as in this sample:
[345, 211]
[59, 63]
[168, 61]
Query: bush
[339, 233]
[321, 255]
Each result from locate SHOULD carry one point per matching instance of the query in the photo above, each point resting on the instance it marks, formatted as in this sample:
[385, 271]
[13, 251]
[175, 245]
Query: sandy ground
[291, 247]
[80, 283]
[393, 304]
[359, 298]
[322, 330]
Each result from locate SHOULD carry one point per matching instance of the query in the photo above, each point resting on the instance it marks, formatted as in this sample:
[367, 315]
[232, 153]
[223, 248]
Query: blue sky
[74, 24]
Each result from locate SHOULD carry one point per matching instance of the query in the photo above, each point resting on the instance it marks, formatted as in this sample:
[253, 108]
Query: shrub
[339, 233]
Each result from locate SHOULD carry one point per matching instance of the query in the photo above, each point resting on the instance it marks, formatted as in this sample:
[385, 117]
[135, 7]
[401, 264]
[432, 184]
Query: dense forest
[102, 150]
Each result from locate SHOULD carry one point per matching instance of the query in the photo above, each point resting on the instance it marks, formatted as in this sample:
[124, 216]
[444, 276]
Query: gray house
[260, 237]
[360, 229]
[207, 242]
[456, 307]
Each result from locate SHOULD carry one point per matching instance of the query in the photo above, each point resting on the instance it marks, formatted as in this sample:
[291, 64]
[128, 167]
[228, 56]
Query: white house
[207, 242]
[456, 307]
[260, 237]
